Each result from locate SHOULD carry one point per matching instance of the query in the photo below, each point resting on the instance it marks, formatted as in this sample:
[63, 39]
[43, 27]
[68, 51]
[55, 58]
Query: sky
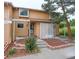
[35, 4]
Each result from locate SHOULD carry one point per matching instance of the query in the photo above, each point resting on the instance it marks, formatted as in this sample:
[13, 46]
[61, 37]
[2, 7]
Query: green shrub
[64, 30]
[30, 45]
[11, 52]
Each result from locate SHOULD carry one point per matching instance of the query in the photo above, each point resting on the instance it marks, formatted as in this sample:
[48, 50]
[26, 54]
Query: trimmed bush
[30, 45]
[11, 52]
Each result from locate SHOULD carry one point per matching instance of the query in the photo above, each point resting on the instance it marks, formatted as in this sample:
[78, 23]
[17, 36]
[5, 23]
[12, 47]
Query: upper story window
[23, 12]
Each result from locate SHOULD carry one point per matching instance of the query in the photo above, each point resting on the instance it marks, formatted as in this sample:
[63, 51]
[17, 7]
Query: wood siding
[22, 31]
[8, 12]
[38, 15]
[37, 29]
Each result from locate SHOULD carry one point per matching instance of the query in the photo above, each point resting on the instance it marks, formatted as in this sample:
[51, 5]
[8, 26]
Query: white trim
[14, 32]
[20, 20]
[22, 15]
[7, 22]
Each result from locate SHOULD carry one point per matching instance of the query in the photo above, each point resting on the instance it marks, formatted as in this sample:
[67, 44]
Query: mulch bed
[56, 43]
[20, 52]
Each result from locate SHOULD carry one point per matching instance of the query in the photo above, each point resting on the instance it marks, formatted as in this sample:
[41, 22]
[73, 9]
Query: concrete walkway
[46, 53]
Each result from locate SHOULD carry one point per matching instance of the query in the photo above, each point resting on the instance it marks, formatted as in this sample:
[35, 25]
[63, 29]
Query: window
[19, 25]
[23, 12]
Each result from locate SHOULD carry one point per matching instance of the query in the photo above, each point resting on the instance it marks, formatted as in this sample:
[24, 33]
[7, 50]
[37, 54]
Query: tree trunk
[68, 24]
[57, 29]
[69, 30]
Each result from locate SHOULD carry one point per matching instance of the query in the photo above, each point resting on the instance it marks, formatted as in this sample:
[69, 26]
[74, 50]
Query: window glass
[50, 29]
[23, 12]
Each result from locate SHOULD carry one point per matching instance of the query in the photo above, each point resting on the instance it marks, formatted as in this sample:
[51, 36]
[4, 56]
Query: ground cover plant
[11, 52]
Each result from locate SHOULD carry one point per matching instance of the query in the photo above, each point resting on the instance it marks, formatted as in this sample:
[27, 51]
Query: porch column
[14, 35]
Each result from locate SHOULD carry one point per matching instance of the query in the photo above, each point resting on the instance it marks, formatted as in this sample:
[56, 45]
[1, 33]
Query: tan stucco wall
[7, 34]
[8, 12]
[8, 24]
[37, 29]
[23, 31]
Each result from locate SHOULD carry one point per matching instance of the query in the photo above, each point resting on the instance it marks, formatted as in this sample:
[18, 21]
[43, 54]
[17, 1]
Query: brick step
[19, 44]
[19, 47]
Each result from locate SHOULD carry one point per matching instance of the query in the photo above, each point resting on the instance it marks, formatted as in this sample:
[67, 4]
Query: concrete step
[42, 46]
[41, 43]
[19, 38]
[39, 40]
[38, 43]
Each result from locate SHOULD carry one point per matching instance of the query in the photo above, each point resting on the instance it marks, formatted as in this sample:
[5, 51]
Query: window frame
[23, 15]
